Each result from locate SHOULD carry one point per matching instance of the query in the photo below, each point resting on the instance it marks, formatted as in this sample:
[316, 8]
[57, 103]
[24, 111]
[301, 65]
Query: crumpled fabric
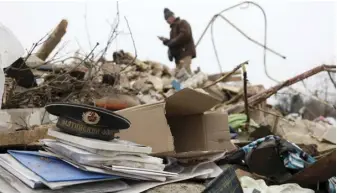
[238, 120]
[293, 156]
[249, 185]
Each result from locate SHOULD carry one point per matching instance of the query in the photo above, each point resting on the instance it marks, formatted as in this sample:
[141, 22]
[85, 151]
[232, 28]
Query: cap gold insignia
[91, 118]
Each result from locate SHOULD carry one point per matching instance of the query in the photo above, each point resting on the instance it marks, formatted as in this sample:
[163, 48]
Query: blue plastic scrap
[176, 85]
[332, 185]
[53, 169]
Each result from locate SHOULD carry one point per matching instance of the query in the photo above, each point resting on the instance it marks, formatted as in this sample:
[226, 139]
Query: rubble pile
[153, 81]
[150, 80]
[146, 81]
[127, 125]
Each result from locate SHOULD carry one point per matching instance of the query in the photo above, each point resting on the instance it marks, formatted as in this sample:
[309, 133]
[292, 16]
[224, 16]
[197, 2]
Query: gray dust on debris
[178, 187]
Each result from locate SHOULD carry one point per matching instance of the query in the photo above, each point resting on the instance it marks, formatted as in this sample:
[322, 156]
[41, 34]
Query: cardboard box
[179, 124]
[200, 132]
[148, 127]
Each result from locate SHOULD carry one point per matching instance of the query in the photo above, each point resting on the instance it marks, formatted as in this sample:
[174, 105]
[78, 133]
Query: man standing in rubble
[181, 44]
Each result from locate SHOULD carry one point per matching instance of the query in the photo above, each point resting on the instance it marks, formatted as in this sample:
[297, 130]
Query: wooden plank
[264, 95]
[320, 171]
[233, 79]
[52, 41]
[215, 92]
[10, 85]
[234, 89]
[223, 78]
[214, 77]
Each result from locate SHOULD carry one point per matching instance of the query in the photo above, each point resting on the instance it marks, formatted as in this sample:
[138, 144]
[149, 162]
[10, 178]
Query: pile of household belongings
[84, 150]
[80, 159]
[73, 162]
[86, 155]
[90, 162]
[83, 154]
[280, 163]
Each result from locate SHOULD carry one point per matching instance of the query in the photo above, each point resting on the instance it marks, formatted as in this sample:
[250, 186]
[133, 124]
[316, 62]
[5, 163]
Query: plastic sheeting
[10, 50]
[249, 184]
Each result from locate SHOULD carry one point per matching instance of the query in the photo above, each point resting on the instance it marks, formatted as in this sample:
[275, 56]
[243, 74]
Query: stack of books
[115, 157]
[83, 156]
[72, 162]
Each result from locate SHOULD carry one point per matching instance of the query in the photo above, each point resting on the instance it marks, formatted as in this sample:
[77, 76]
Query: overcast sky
[303, 31]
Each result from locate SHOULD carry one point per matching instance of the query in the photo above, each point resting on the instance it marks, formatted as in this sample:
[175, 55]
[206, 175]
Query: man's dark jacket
[181, 41]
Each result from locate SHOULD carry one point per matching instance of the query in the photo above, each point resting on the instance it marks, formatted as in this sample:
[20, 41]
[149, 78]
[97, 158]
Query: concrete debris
[76, 82]
[156, 82]
[33, 61]
[127, 82]
[182, 187]
[304, 132]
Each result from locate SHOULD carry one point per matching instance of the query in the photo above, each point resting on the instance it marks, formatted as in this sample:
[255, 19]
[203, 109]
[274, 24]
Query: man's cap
[167, 13]
[87, 121]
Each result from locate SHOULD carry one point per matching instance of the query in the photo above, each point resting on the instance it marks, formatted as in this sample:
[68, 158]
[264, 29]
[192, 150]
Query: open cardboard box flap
[189, 102]
[185, 102]
[178, 124]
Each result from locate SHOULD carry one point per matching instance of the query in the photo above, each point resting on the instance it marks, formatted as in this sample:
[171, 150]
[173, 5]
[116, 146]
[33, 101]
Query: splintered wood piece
[52, 41]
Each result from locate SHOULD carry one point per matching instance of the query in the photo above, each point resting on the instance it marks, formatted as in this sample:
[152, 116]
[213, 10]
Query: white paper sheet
[84, 157]
[102, 152]
[6, 187]
[20, 171]
[105, 171]
[216, 171]
[113, 145]
[141, 171]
